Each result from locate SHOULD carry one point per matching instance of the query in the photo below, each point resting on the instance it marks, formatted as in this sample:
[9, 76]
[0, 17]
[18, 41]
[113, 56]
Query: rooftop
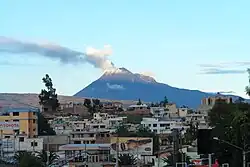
[19, 109]
[84, 146]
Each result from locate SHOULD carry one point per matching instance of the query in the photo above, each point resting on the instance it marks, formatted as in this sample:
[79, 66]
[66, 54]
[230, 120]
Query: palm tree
[126, 160]
[248, 87]
[27, 159]
[47, 158]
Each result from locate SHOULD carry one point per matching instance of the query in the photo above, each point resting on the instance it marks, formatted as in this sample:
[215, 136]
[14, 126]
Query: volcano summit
[122, 84]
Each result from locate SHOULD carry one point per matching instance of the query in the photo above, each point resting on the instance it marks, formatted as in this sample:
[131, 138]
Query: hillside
[121, 84]
[21, 100]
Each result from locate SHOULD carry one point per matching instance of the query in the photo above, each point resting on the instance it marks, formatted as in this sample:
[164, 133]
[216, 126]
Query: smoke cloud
[98, 58]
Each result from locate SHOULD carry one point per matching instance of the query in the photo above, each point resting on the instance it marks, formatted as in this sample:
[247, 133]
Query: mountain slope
[121, 84]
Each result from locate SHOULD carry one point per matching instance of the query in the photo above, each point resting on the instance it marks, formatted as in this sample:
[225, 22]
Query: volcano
[122, 84]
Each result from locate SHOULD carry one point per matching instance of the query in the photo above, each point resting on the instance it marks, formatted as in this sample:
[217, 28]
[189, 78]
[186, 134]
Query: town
[106, 134]
[124, 83]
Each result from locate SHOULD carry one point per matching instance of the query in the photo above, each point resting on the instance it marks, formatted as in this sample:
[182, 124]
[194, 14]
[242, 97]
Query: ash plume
[98, 58]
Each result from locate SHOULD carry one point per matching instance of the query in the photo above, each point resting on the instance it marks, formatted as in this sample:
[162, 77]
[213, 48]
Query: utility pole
[117, 151]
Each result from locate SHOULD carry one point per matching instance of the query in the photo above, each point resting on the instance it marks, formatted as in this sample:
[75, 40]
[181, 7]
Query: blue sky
[175, 40]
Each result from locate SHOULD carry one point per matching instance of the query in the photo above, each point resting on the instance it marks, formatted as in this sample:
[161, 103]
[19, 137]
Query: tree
[248, 87]
[126, 160]
[48, 96]
[122, 131]
[231, 123]
[87, 103]
[47, 158]
[134, 119]
[43, 126]
[164, 102]
[139, 102]
[27, 159]
[191, 134]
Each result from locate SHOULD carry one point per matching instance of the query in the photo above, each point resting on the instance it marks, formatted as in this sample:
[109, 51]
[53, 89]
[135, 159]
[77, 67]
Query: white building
[162, 126]
[198, 118]
[12, 145]
[159, 112]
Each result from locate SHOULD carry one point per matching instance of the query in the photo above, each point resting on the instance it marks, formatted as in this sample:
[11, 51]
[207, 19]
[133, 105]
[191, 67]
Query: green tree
[230, 122]
[191, 133]
[164, 102]
[134, 119]
[126, 160]
[87, 103]
[248, 87]
[44, 127]
[122, 131]
[48, 96]
[47, 158]
[27, 159]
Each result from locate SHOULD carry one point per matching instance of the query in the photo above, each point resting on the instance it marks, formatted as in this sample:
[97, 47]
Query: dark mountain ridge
[121, 84]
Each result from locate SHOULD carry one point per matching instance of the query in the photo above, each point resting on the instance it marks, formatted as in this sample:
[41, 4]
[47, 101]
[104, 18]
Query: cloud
[222, 71]
[98, 58]
[9, 63]
[211, 66]
[115, 86]
[225, 68]
[226, 92]
[148, 73]
[226, 64]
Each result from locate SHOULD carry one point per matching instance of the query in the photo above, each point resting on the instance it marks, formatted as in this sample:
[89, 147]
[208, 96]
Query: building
[210, 101]
[25, 120]
[163, 125]
[94, 155]
[112, 106]
[89, 132]
[52, 143]
[159, 112]
[9, 146]
[90, 137]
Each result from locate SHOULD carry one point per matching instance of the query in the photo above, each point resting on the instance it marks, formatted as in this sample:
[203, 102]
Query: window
[108, 135]
[155, 131]
[162, 125]
[33, 144]
[6, 137]
[21, 139]
[15, 113]
[15, 120]
[34, 121]
[6, 120]
[34, 113]
[34, 129]
[77, 142]
[154, 125]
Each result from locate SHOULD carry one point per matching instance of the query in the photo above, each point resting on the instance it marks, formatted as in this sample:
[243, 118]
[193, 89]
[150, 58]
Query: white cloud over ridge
[115, 86]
